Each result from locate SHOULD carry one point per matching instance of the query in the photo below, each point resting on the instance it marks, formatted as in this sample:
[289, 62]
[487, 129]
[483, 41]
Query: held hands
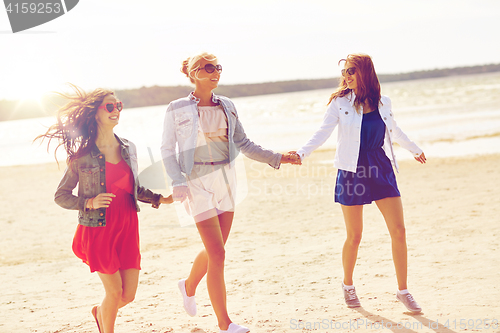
[291, 157]
[180, 193]
[421, 158]
[167, 200]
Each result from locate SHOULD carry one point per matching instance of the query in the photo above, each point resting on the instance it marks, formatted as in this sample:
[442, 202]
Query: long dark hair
[368, 85]
[76, 127]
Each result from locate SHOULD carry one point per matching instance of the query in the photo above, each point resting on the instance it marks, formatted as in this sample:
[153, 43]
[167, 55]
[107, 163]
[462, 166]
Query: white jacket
[341, 112]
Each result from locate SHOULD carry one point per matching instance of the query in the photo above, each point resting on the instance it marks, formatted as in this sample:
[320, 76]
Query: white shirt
[342, 112]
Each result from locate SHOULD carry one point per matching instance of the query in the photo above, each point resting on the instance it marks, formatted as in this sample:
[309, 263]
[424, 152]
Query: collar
[95, 152]
[195, 99]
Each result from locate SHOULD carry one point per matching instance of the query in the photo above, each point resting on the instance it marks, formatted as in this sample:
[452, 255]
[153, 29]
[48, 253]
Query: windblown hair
[76, 127]
[368, 85]
[191, 64]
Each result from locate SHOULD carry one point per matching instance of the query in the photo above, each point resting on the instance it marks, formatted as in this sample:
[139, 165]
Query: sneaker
[189, 301]
[233, 328]
[350, 297]
[409, 302]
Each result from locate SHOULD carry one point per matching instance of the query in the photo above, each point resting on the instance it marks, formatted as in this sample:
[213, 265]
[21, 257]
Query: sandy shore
[283, 262]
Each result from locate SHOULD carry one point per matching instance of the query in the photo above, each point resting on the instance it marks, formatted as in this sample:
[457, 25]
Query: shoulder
[226, 100]
[180, 103]
[126, 143]
[385, 100]
[338, 103]
[227, 104]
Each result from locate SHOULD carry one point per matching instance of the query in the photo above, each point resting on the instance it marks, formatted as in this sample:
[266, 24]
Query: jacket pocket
[89, 180]
[184, 124]
[346, 115]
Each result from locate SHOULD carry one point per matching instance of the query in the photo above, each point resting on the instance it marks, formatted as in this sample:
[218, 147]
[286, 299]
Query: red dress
[115, 246]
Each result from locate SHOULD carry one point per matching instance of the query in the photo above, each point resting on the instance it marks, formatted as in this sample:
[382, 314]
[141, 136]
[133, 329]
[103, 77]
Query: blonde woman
[104, 166]
[364, 153]
[208, 133]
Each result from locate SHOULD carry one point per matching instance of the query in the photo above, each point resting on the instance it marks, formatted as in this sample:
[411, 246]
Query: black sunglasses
[110, 107]
[350, 71]
[210, 68]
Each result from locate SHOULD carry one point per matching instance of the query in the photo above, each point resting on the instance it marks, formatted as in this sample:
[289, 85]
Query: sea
[448, 116]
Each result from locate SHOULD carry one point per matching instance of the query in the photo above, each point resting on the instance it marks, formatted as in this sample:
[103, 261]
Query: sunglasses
[209, 68]
[110, 107]
[350, 71]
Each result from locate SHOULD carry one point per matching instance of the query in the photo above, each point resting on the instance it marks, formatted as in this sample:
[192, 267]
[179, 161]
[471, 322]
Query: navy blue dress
[374, 178]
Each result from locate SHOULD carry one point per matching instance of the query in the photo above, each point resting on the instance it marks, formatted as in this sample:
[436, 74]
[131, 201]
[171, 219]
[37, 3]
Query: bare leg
[120, 289]
[392, 210]
[200, 263]
[353, 218]
[212, 237]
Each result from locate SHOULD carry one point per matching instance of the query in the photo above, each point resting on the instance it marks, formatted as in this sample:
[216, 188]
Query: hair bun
[184, 68]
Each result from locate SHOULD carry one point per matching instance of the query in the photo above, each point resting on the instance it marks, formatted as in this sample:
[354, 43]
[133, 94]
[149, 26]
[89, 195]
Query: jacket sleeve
[252, 150]
[401, 138]
[330, 121]
[64, 194]
[168, 154]
[148, 196]
[143, 194]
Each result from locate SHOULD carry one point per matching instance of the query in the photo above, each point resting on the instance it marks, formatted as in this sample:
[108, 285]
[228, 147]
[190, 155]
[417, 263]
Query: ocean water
[451, 116]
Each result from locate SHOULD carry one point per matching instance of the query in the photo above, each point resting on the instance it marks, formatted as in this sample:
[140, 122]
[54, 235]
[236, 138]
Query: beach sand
[283, 257]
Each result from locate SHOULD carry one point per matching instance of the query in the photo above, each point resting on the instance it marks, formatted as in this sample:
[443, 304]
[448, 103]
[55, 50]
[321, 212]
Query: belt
[212, 163]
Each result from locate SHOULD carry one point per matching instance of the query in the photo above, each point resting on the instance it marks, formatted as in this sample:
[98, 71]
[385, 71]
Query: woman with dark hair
[367, 130]
[104, 166]
[208, 134]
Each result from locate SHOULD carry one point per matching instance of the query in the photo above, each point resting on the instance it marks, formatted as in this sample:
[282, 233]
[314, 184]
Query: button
[100, 156]
[385, 118]
[102, 169]
[101, 214]
[102, 184]
[100, 223]
[390, 130]
[346, 112]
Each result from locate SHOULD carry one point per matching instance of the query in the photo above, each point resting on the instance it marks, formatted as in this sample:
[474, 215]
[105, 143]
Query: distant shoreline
[157, 95]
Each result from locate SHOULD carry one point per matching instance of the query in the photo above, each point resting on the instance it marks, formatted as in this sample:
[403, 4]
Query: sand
[283, 257]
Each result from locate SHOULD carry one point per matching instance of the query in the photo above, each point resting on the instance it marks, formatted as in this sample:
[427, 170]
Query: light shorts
[209, 189]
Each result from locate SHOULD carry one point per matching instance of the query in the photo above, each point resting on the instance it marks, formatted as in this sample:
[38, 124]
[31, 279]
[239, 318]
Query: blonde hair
[191, 64]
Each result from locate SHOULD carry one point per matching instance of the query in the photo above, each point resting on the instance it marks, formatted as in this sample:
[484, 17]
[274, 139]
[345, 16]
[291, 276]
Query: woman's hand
[291, 157]
[167, 200]
[102, 200]
[180, 193]
[421, 158]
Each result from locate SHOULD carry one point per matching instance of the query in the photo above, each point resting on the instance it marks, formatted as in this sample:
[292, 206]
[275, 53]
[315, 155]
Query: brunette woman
[367, 130]
[104, 166]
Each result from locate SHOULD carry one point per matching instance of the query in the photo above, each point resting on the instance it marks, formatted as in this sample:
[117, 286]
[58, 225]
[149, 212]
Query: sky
[122, 44]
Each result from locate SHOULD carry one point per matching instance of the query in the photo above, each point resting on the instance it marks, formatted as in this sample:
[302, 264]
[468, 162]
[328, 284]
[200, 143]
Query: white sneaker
[409, 302]
[233, 328]
[189, 301]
